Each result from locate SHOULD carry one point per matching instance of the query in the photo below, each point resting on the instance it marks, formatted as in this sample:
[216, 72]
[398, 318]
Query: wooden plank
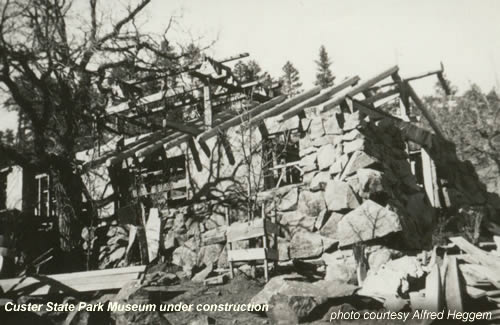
[245, 230]
[79, 281]
[336, 100]
[453, 286]
[489, 272]
[479, 255]
[323, 96]
[475, 293]
[183, 127]
[207, 107]
[252, 254]
[253, 229]
[434, 290]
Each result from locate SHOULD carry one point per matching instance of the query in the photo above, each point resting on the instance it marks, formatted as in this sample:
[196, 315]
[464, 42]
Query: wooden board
[77, 281]
[434, 290]
[479, 255]
[453, 286]
[252, 254]
[253, 229]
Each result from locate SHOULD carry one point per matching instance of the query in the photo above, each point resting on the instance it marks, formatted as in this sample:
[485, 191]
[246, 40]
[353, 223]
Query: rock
[339, 196]
[132, 293]
[185, 258]
[339, 165]
[358, 160]
[293, 221]
[306, 244]
[308, 163]
[331, 126]
[329, 229]
[202, 320]
[209, 254]
[321, 219]
[326, 156]
[283, 249]
[325, 140]
[340, 266]
[215, 221]
[307, 151]
[289, 201]
[316, 129]
[356, 145]
[311, 203]
[295, 300]
[352, 135]
[318, 182]
[378, 258]
[370, 182]
[368, 221]
[392, 279]
[203, 274]
[352, 121]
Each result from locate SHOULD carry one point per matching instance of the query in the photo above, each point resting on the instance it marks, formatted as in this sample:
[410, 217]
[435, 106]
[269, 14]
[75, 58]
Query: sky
[362, 37]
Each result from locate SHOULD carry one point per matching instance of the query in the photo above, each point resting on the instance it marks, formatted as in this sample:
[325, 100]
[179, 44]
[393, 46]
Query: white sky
[361, 36]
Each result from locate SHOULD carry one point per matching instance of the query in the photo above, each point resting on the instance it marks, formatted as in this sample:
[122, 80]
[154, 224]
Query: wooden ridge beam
[323, 96]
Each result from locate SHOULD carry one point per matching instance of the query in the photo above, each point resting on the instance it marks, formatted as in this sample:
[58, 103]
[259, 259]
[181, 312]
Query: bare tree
[55, 70]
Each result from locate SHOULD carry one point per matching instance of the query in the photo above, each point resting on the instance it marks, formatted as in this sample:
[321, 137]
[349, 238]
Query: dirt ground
[240, 290]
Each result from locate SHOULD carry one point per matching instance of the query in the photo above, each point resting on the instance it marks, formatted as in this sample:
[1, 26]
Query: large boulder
[369, 221]
[186, 258]
[311, 203]
[293, 221]
[289, 200]
[358, 160]
[340, 196]
[319, 181]
[293, 300]
[306, 244]
[329, 229]
[340, 266]
[326, 156]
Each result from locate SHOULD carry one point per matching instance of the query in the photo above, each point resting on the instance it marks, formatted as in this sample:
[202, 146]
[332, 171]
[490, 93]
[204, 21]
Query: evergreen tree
[247, 72]
[291, 84]
[324, 76]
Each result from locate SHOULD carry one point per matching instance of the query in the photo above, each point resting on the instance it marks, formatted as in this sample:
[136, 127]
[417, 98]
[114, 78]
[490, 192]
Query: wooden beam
[320, 98]
[183, 127]
[207, 107]
[332, 103]
[381, 95]
[227, 149]
[454, 291]
[195, 154]
[421, 106]
[111, 279]
[236, 120]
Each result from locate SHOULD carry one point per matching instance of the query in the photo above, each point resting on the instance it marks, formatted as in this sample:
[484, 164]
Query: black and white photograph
[230, 162]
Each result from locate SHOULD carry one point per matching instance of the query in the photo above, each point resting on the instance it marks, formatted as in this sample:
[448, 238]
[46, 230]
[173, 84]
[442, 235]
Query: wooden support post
[227, 149]
[266, 264]
[430, 178]
[195, 154]
[207, 107]
[229, 245]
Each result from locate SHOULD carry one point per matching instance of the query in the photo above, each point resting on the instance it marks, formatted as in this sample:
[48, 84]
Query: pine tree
[291, 84]
[247, 72]
[324, 76]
